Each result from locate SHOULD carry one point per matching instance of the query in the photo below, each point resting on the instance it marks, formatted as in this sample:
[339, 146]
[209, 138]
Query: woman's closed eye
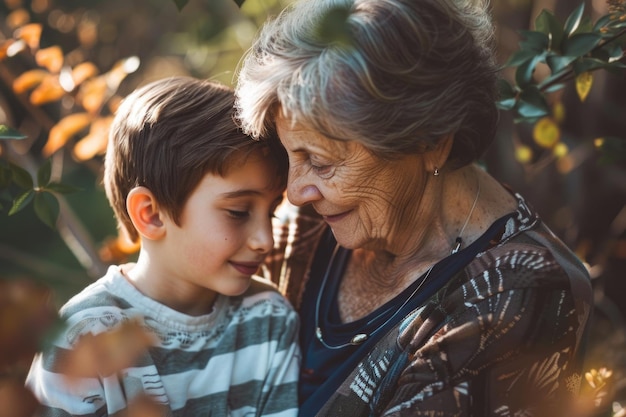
[322, 170]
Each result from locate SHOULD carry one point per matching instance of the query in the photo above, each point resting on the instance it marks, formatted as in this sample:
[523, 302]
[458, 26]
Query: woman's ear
[143, 210]
[436, 158]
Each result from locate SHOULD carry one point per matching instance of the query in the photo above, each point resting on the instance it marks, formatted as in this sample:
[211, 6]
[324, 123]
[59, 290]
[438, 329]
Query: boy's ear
[144, 212]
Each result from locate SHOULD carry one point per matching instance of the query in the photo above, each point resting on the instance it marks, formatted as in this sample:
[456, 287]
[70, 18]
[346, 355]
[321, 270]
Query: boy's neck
[179, 297]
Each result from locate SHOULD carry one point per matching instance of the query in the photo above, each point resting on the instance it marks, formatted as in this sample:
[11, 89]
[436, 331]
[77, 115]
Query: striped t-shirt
[242, 359]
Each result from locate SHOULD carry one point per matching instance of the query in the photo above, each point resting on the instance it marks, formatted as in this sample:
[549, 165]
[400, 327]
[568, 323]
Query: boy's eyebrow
[241, 193]
[246, 193]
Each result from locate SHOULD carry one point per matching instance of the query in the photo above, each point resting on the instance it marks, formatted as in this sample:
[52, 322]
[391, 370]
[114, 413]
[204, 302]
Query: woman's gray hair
[395, 75]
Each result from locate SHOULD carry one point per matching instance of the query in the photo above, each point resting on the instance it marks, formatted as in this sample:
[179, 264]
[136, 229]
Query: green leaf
[180, 4]
[21, 177]
[558, 63]
[580, 44]
[5, 177]
[572, 22]
[609, 53]
[7, 132]
[524, 73]
[519, 57]
[532, 104]
[44, 172]
[47, 208]
[507, 95]
[585, 26]
[22, 201]
[588, 64]
[548, 24]
[60, 188]
[535, 41]
[601, 22]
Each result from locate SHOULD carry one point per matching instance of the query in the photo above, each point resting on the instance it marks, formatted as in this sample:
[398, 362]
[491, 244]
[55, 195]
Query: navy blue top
[323, 370]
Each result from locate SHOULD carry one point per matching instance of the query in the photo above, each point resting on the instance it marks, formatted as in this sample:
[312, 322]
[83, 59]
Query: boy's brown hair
[167, 135]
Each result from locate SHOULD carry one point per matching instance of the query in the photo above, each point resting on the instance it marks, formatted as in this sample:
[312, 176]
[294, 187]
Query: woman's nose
[301, 191]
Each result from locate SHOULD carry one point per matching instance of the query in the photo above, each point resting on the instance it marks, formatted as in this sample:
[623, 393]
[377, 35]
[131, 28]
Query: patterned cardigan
[504, 337]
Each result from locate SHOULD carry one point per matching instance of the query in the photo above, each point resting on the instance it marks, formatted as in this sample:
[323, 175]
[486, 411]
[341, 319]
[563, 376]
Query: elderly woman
[425, 287]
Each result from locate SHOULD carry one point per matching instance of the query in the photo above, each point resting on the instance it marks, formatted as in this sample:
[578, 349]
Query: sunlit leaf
[583, 85]
[95, 142]
[57, 187]
[92, 94]
[22, 201]
[28, 80]
[50, 58]
[558, 112]
[120, 71]
[30, 33]
[17, 18]
[523, 154]
[546, 133]
[573, 20]
[116, 250]
[48, 91]
[560, 150]
[46, 208]
[65, 129]
[83, 71]
[4, 47]
[7, 132]
[44, 173]
[21, 177]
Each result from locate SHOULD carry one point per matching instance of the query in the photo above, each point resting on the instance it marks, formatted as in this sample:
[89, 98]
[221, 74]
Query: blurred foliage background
[66, 64]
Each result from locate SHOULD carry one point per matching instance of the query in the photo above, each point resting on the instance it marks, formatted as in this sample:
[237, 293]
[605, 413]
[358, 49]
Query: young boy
[200, 196]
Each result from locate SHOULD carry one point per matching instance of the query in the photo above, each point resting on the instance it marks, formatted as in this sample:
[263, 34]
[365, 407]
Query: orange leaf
[49, 90]
[13, 4]
[17, 18]
[95, 142]
[64, 130]
[116, 250]
[120, 70]
[50, 58]
[31, 34]
[92, 94]
[4, 47]
[83, 71]
[28, 80]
